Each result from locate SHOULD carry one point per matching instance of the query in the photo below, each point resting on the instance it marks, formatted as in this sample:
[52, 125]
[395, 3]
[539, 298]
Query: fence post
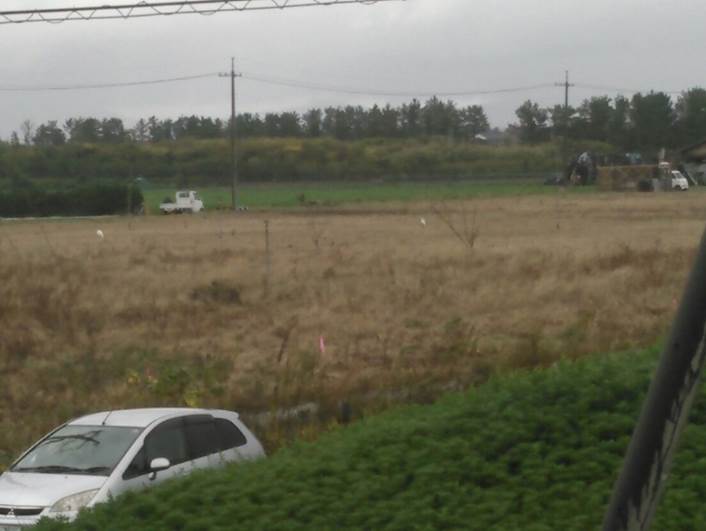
[268, 259]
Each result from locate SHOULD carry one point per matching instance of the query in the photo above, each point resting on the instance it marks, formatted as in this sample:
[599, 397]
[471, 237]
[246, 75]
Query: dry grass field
[179, 309]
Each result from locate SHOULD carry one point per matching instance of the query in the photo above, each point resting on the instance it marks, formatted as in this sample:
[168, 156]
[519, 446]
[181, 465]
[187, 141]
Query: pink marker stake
[322, 345]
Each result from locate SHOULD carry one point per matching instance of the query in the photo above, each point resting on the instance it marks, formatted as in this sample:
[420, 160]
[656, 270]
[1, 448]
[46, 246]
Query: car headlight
[74, 502]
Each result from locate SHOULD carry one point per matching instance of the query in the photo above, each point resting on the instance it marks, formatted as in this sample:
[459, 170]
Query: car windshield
[92, 450]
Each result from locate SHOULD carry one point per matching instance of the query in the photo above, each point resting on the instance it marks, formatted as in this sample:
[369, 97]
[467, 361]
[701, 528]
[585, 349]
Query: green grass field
[536, 450]
[287, 195]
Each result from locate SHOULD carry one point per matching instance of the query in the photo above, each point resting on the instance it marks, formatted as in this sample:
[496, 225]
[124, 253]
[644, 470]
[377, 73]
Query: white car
[679, 182]
[97, 457]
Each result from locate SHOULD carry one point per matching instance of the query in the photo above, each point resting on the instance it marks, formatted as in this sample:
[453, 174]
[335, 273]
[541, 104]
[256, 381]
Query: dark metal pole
[665, 411]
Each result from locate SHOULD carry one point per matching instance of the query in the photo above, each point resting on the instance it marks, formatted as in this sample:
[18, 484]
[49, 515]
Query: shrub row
[86, 200]
[201, 162]
[534, 451]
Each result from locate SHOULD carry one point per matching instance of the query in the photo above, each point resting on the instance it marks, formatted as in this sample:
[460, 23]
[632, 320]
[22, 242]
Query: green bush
[536, 450]
[85, 200]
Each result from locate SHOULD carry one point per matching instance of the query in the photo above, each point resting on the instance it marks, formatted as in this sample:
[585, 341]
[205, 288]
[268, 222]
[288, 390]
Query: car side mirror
[157, 465]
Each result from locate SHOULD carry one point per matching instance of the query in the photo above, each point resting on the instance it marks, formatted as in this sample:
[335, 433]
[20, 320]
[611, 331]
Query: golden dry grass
[173, 310]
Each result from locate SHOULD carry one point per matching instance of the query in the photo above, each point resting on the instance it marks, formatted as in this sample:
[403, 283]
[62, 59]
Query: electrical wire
[282, 82]
[54, 88]
[621, 89]
[270, 81]
[364, 92]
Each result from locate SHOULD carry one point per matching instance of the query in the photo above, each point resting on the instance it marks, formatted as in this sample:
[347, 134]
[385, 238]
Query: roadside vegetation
[534, 450]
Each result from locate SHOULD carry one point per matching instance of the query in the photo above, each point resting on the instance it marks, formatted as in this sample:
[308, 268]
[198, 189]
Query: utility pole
[566, 86]
[232, 133]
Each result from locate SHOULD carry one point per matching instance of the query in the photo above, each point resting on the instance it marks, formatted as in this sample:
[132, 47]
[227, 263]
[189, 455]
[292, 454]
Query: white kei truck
[185, 201]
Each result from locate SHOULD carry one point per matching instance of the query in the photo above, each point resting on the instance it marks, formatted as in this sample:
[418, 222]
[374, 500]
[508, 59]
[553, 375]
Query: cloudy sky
[422, 46]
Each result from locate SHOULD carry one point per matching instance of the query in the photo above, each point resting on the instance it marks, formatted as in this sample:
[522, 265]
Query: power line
[154, 9]
[270, 81]
[283, 82]
[365, 92]
[622, 89]
[54, 88]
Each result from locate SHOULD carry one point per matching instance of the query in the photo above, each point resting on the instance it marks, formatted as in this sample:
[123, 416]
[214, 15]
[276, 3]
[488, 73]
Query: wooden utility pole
[232, 134]
[564, 147]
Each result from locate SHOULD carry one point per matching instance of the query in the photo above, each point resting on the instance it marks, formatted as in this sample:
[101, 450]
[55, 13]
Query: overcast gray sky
[416, 45]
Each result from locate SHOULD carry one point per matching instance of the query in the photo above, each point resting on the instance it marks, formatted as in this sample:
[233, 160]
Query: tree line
[411, 120]
[644, 122]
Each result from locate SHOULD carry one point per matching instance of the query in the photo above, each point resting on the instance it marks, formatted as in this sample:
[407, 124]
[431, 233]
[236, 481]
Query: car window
[167, 440]
[229, 434]
[138, 466]
[94, 450]
[184, 439]
[201, 436]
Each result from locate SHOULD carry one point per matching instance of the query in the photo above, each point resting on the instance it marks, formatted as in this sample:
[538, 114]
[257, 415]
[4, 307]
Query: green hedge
[87, 200]
[534, 451]
[203, 162]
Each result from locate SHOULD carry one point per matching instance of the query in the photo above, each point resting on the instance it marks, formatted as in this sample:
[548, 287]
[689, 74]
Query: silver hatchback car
[94, 458]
